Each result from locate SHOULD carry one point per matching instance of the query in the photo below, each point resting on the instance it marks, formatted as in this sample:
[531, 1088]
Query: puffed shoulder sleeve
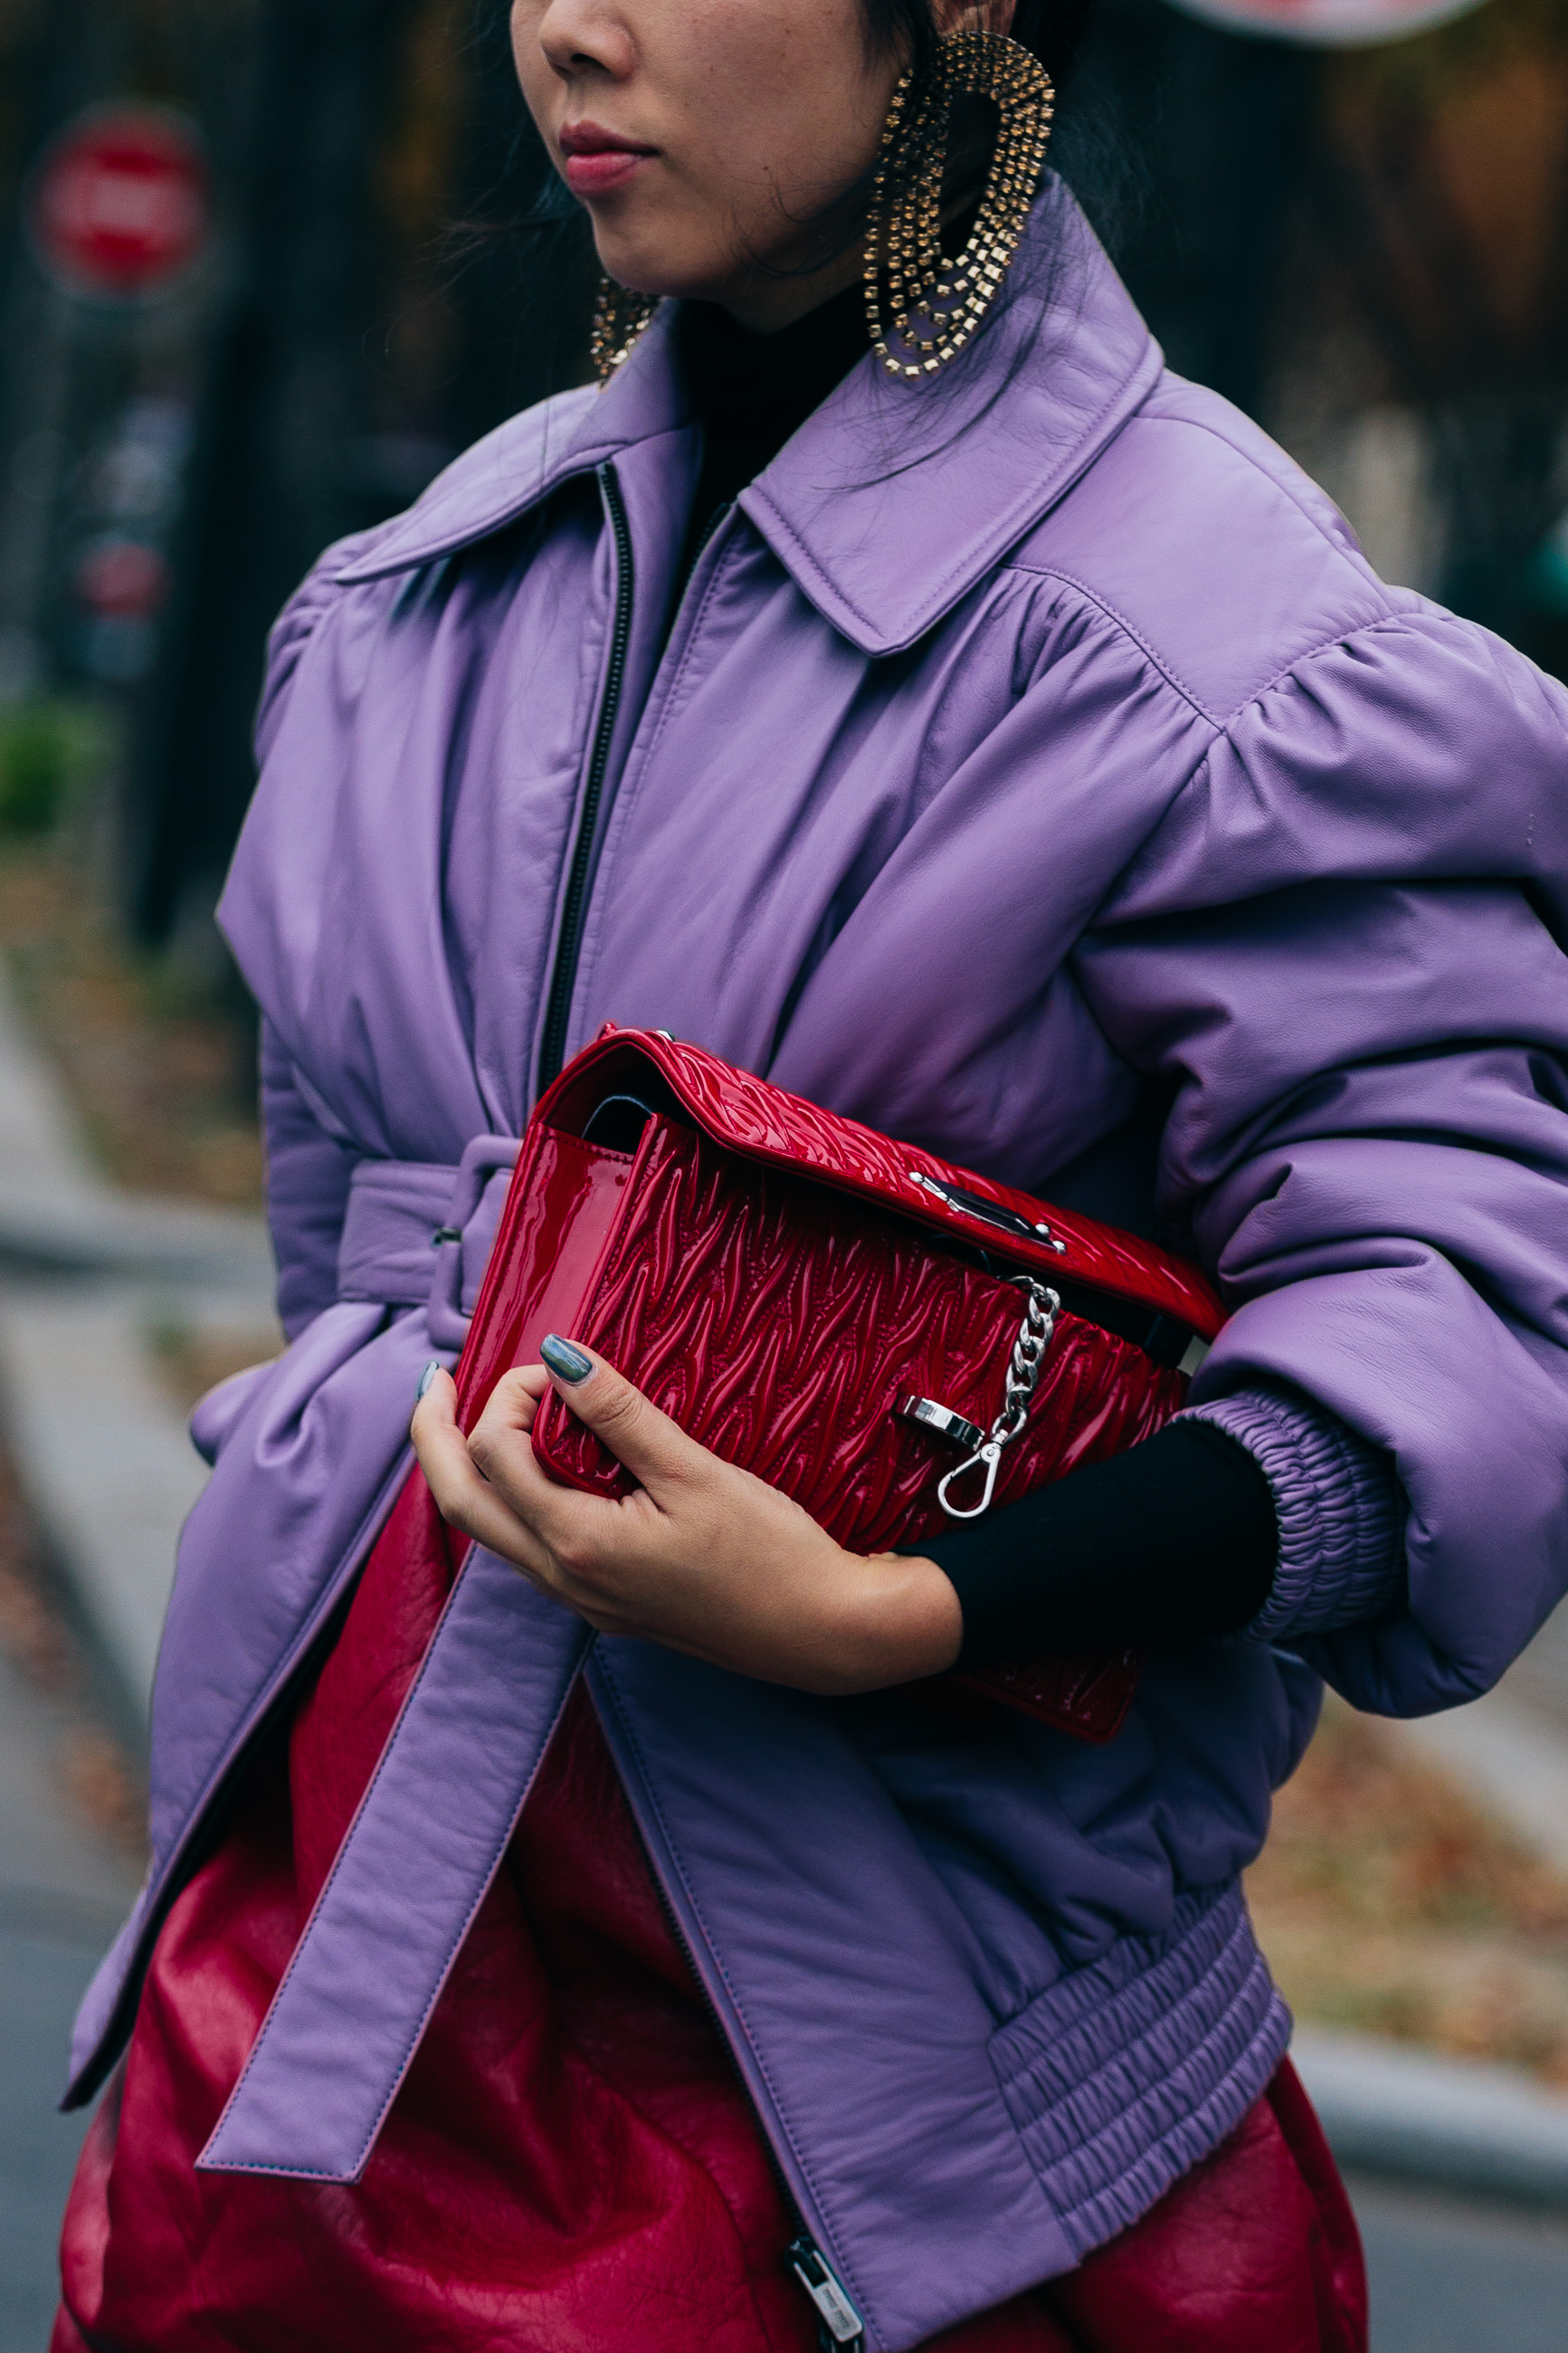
[296, 625]
[1340, 952]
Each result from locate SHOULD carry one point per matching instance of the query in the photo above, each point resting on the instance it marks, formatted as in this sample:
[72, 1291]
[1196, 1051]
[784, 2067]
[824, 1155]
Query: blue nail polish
[426, 1376]
[567, 1363]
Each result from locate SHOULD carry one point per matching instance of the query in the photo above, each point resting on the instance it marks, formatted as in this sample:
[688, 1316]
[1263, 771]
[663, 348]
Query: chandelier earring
[619, 318]
[922, 310]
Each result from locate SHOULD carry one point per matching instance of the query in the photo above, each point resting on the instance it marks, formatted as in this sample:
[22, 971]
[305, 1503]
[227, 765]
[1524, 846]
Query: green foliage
[47, 750]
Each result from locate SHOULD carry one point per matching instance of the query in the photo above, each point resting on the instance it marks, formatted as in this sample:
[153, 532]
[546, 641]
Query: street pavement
[65, 1884]
[1453, 2276]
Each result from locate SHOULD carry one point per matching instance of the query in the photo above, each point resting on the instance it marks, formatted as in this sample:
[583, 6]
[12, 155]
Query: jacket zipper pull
[838, 2324]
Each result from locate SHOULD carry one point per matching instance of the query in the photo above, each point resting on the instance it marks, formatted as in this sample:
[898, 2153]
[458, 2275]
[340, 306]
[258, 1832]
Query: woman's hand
[701, 1558]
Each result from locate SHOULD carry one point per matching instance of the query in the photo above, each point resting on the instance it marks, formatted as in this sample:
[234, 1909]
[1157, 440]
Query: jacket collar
[893, 499]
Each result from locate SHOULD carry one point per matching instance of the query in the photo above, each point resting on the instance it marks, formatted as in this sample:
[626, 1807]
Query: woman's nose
[585, 37]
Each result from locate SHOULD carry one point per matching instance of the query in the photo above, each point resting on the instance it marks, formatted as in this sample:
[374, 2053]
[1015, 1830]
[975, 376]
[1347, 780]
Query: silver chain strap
[1041, 1309]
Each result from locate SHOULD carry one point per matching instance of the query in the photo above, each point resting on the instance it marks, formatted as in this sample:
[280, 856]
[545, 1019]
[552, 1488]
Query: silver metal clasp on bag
[990, 1213]
[1042, 1306]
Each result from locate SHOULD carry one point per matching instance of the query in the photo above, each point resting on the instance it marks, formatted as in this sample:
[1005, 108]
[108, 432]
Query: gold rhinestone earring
[921, 311]
[619, 318]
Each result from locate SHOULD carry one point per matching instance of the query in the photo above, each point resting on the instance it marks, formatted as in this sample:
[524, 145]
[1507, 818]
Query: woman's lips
[590, 175]
[599, 160]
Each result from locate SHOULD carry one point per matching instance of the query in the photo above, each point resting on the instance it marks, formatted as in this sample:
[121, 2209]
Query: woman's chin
[642, 269]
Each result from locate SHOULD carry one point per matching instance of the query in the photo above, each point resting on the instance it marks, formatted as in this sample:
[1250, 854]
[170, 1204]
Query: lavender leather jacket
[1035, 768]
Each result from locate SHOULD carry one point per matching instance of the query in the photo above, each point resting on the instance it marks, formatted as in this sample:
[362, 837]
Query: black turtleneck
[752, 392]
[1177, 1537]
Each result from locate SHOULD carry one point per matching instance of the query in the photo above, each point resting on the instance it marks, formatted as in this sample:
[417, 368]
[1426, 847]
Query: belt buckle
[484, 1157]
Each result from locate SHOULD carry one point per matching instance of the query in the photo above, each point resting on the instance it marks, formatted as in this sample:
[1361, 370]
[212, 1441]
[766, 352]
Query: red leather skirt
[572, 2162]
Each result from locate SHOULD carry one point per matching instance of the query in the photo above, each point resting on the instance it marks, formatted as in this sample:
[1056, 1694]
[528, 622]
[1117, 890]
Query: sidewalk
[1390, 2110]
[88, 1278]
[64, 1889]
[1510, 1748]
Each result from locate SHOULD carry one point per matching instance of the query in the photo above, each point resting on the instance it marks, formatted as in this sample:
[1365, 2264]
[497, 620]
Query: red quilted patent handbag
[893, 1342]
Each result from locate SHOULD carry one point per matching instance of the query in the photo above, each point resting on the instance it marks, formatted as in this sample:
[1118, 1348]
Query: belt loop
[482, 1160]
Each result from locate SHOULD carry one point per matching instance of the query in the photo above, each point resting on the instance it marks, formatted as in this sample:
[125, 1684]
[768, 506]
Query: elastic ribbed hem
[1124, 2075]
[1341, 1511]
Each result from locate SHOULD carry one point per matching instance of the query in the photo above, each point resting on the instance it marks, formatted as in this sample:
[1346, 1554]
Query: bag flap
[762, 1123]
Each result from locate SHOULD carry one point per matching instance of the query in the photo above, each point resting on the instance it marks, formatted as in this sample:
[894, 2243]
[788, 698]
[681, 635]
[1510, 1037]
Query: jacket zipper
[838, 2324]
[839, 2327]
[552, 1052]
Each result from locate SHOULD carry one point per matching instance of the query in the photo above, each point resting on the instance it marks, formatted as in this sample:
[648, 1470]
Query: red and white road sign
[120, 205]
[121, 577]
[1330, 23]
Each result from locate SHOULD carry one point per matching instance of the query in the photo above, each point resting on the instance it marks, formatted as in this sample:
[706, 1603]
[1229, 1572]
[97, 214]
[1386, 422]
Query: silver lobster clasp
[1041, 1307]
[991, 1455]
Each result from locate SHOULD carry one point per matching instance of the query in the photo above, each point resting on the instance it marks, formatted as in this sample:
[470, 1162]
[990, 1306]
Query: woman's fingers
[660, 1456]
[462, 1496]
[489, 1485]
[676, 1562]
[514, 1401]
[434, 1428]
[701, 1556]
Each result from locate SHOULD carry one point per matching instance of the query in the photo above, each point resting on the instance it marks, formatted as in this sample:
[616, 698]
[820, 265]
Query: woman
[1016, 752]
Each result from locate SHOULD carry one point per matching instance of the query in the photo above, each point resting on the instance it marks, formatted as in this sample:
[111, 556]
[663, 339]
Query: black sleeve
[1175, 1538]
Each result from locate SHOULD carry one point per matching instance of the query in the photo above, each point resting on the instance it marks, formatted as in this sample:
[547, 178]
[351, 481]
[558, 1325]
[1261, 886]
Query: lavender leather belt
[436, 1820]
[417, 1233]
[419, 1856]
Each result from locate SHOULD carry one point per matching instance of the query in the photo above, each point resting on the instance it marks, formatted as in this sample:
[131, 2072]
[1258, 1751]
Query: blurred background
[260, 277]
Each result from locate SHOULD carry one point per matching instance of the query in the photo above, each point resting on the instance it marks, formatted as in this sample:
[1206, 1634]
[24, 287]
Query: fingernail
[426, 1376]
[568, 1364]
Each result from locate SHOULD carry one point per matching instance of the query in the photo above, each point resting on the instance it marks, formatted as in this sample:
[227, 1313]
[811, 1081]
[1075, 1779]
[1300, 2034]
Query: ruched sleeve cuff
[1341, 1511]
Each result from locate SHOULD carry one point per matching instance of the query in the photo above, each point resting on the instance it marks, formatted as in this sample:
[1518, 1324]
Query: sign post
[117, 213]
[119, 207]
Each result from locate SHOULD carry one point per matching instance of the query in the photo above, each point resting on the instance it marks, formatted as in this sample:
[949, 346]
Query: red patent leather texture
[764, 1124]
[773, 1280]
[571, 2161]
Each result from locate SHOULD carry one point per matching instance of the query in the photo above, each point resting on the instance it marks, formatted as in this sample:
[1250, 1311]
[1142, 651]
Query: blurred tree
[1383, 229]
[280, 421]
[357, 349]
[1439, 198]
[1188, 145]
